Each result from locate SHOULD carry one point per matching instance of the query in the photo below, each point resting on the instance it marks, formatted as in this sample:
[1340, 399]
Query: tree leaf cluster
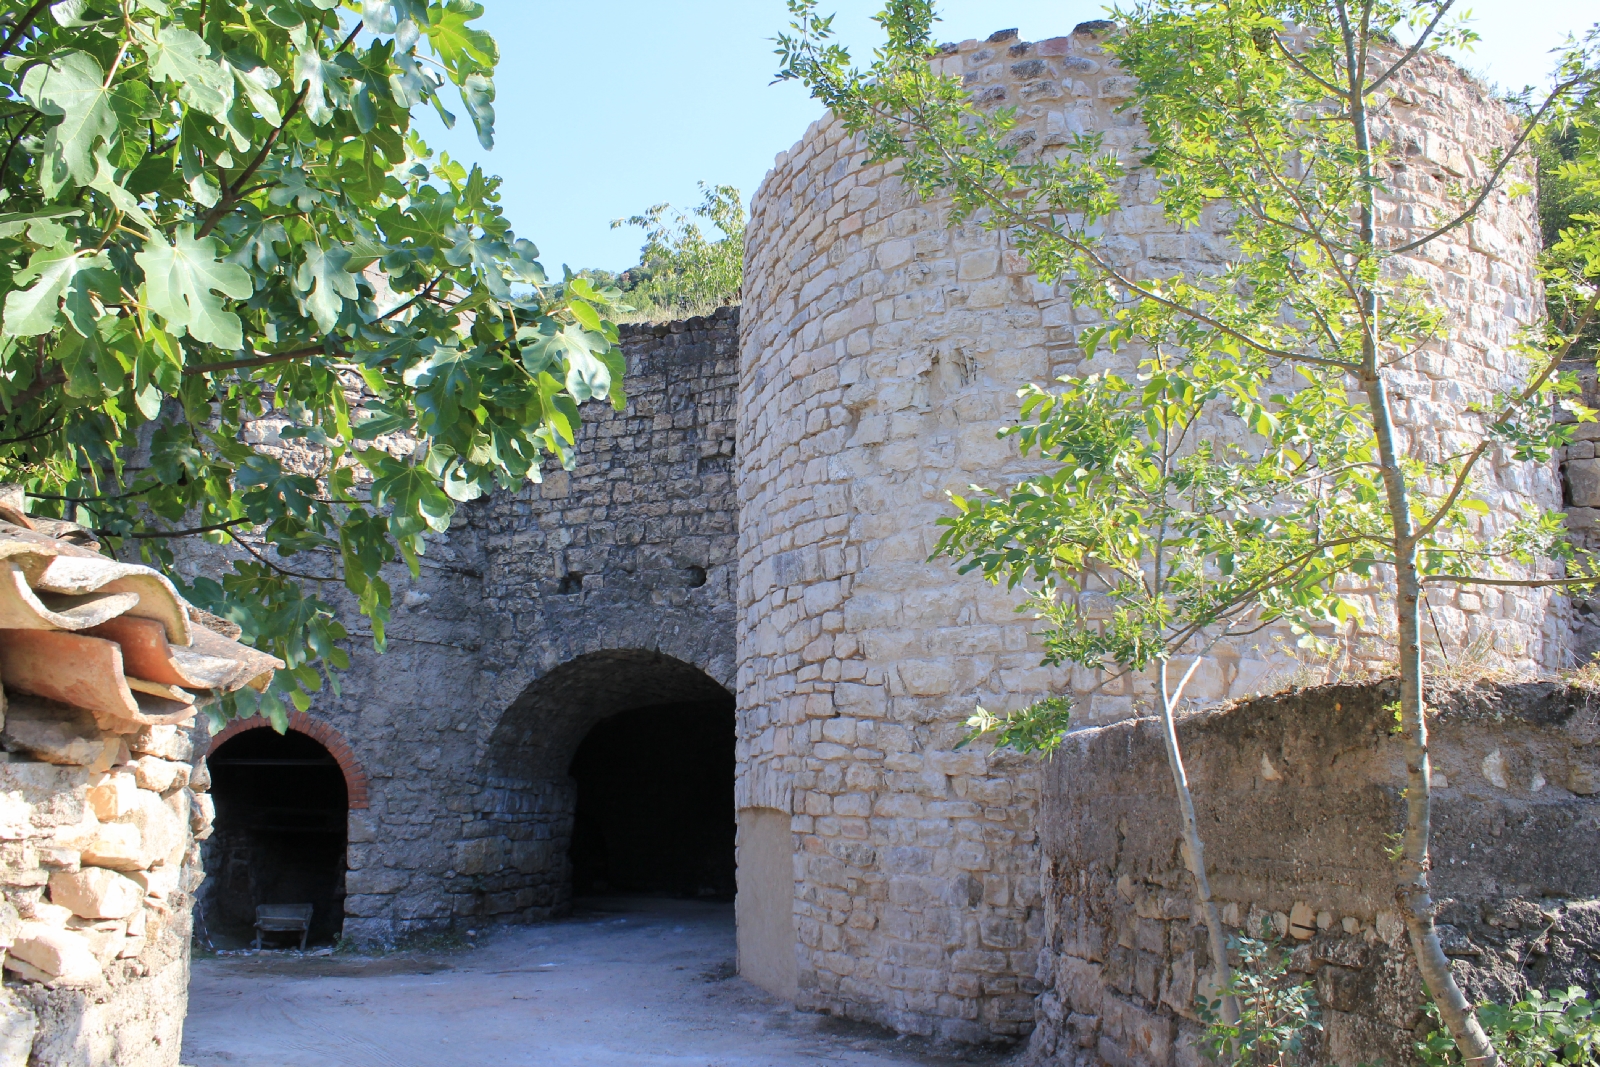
[1542, 1029]
[682, 268]
[217, 210]
[1278, 1011]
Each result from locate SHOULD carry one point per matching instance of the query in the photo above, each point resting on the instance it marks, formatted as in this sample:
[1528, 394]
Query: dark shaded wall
[654, 809]
[1295, 795]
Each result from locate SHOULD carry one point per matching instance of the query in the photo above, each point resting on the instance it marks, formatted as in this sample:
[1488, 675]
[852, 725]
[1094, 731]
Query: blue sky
[606, 108]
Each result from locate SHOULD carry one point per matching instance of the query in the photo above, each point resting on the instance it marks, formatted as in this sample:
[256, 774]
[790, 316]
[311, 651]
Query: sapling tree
[214, 208]
[1247, 472]
[681, 267]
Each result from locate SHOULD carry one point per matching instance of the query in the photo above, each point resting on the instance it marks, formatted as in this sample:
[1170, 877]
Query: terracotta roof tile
[114, 639]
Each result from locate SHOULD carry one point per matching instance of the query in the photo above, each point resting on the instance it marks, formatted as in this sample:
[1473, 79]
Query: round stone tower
[885, 874]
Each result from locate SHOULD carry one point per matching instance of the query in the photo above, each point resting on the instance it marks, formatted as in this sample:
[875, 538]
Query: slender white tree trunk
[1194, 848]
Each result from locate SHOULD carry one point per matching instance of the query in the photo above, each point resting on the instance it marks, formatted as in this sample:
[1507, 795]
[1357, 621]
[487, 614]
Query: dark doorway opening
[280, 834]
[655, 802]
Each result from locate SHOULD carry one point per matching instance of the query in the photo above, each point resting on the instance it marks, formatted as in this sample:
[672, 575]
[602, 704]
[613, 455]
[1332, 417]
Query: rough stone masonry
[101, 806]
[541, 613]
[758, 521]
[881, 349]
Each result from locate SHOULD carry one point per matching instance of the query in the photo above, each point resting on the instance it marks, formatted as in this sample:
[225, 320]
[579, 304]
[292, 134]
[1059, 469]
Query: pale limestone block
[163, 837]
[117, 846]
[158, 884]
[17, 1028]
[58, 734]
[159, 775]
[114, 795]
[167, 742]
[95, 893]
[106, 938]
[56, 954]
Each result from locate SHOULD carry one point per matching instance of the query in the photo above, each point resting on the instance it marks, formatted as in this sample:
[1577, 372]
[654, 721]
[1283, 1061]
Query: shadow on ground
[623, 983]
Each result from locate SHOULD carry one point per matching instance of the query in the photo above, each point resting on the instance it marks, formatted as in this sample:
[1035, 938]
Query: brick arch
[355, 779]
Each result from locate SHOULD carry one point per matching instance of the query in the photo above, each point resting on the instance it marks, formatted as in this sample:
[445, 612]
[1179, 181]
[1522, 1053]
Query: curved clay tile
[212, 662]
[85, 672]
[20, 544]
[21, 608]
[82, 575]
[114, 639]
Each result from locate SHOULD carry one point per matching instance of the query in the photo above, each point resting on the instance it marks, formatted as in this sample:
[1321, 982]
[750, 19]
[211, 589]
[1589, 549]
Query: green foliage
[680, 268]
[1235, 478]
[1233, 456]
[1569, 209]
[1537, 1031]
[210, 209]
[1040, 727]
[1276, 1012]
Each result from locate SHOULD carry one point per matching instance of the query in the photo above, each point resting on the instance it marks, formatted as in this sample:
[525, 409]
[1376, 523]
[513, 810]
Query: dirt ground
[623, 983]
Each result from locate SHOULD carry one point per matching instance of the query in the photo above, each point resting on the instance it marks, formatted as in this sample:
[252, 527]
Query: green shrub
[682, 270]
[1275, 1011]
[1535, 1032]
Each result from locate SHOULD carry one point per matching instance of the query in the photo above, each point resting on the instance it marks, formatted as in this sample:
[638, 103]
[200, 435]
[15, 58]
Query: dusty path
[637, 984]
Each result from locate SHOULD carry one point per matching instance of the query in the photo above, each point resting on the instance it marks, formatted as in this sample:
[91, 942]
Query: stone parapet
[1299, 794]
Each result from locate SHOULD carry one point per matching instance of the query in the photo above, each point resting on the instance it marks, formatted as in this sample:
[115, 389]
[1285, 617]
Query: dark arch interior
[655, 802]
[280, 833]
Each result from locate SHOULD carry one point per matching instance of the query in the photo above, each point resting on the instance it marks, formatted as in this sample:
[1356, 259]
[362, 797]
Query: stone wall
[882, 347]
[1580, 478]
[1296, 794]
[97, 870]
[540, 613]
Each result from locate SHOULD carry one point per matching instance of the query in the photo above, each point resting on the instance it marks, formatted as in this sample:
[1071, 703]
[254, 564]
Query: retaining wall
[1297, 795]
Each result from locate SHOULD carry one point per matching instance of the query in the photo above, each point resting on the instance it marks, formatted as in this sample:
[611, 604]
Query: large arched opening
[279, 837]
[612, 773]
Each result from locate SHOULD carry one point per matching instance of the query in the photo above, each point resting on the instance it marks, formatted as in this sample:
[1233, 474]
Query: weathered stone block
[57, 733]
[117, 846]
[10, 923]
[57, 954]
[113, 795]
[1132, 1035]
[163, 837]
[376, 880]
[160, 775]
[106, 938]
[202, 813]
[53, 795]
[17, 1027]
[96, 893]
[165, 742]
[159, 884]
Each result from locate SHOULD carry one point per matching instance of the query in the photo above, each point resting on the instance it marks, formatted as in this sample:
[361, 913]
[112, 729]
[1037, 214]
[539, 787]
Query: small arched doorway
[279, 837]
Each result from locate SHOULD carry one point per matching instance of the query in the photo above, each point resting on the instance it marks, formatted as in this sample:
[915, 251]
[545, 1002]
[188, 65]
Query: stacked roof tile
[102, 665]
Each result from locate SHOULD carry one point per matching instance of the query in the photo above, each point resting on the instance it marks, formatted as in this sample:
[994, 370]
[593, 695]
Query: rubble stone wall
[882, 347]
[1296, 794]
[542, 611]
[98, 866]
